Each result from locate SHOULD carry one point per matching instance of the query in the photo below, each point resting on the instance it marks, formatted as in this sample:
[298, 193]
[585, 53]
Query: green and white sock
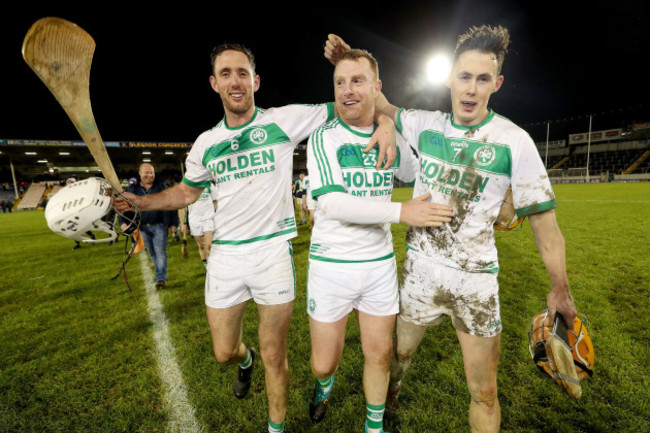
[375, 417]
[248, 361]
[276, 428]
[326, 385]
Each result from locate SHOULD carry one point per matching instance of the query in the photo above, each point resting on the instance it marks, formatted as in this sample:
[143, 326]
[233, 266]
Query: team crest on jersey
[485, 155]
[258, 135]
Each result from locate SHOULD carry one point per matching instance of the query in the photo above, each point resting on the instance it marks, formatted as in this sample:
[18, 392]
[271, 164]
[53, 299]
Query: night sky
[149, 79]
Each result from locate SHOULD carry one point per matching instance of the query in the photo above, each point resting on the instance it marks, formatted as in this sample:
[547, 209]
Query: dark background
[149, 79]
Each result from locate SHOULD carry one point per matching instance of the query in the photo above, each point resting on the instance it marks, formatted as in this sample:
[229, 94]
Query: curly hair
[486, 39]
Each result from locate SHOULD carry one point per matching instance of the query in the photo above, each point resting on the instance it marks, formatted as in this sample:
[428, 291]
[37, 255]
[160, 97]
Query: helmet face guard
[86, 206]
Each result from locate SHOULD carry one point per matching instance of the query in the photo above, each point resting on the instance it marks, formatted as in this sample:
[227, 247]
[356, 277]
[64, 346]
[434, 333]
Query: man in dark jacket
[155, 225]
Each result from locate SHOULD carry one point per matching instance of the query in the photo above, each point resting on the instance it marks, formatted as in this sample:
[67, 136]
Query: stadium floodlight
[169, 152]
[438, 68]
[146, 160]
[146, 152]
[30, 153]
[64, 153]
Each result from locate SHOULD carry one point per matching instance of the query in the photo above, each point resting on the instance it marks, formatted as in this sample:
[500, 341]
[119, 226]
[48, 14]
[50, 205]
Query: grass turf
[78, 355]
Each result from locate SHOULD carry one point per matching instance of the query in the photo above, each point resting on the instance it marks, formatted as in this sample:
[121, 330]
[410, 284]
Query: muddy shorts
[429, 291]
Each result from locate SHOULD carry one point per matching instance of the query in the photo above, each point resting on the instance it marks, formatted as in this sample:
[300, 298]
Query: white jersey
[471, 168]
[251, 168]
[203, 208]
[311, 204]
[336, 163]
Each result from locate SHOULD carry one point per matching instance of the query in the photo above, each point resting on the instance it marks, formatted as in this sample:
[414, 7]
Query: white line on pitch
[181, 411]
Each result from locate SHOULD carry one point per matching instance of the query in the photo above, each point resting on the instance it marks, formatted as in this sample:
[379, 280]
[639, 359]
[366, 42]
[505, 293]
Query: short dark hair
[486, 39]
[216, 51]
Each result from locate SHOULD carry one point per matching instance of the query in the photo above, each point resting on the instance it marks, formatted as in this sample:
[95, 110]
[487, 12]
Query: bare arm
[551, 247]
[176, 197]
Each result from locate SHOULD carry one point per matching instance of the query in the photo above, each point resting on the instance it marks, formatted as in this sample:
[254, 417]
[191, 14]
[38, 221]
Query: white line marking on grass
[181, 411]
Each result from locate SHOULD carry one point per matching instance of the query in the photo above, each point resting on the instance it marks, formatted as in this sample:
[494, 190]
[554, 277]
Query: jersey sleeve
[409, 124]
[196, 174]
[325, 173]
[408, 163]
[531, 188]
[299, 121]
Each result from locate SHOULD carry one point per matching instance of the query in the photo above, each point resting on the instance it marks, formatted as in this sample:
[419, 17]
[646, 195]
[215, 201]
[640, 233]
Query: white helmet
[87, 206]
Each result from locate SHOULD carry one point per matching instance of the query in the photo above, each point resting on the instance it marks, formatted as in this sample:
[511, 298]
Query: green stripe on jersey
[249, 138]
[327, 259]
[320, 157]
[537, 208]
[204, 184]
[490, 157]
[351, 155]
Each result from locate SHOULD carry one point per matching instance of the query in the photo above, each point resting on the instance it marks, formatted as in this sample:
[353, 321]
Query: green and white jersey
[336, 163]
[471, 168]
[203, 207]
[251, 168]
[307, 186]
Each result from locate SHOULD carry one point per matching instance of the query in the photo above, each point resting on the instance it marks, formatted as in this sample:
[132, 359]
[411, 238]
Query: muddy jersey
[336, 163]
[251, 168]
[471, 168]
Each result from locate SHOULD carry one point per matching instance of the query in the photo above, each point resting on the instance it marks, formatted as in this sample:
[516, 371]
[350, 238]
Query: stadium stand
[32, 197]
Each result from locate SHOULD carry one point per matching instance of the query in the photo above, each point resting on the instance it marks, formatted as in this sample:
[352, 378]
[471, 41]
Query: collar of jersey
[355, 130]
[486, 120]
[235, 128]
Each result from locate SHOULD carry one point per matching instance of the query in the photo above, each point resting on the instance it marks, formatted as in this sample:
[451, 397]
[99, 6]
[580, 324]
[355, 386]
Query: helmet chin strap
[133, 217]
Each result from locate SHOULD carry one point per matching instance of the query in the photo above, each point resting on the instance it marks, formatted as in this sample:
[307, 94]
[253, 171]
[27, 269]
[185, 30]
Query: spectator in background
[155, 224]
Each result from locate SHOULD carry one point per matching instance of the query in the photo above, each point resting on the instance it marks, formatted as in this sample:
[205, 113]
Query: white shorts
[267, 276]
[335, 289]
[199, 226]
[430, 290]
[311, 204]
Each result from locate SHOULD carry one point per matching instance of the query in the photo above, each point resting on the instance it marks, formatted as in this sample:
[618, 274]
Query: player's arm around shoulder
[551, 247]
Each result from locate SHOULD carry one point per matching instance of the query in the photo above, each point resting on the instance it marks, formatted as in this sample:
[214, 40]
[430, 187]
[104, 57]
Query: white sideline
[181, 412]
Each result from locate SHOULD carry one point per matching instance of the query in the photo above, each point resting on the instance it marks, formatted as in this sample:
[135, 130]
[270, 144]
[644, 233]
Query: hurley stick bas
[60, 53]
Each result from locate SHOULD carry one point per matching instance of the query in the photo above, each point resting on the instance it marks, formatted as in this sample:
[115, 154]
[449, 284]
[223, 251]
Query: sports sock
[248, 361]
[326, 385]
[205, 263]
[276, 428]
[375, 417]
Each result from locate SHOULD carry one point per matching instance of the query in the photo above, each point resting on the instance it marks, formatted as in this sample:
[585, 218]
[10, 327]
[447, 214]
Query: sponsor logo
[312, 305]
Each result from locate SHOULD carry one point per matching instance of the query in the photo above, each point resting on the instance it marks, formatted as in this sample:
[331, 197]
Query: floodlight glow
[438, 69]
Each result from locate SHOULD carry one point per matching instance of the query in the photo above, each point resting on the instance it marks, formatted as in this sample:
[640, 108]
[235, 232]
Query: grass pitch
[77, 353]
